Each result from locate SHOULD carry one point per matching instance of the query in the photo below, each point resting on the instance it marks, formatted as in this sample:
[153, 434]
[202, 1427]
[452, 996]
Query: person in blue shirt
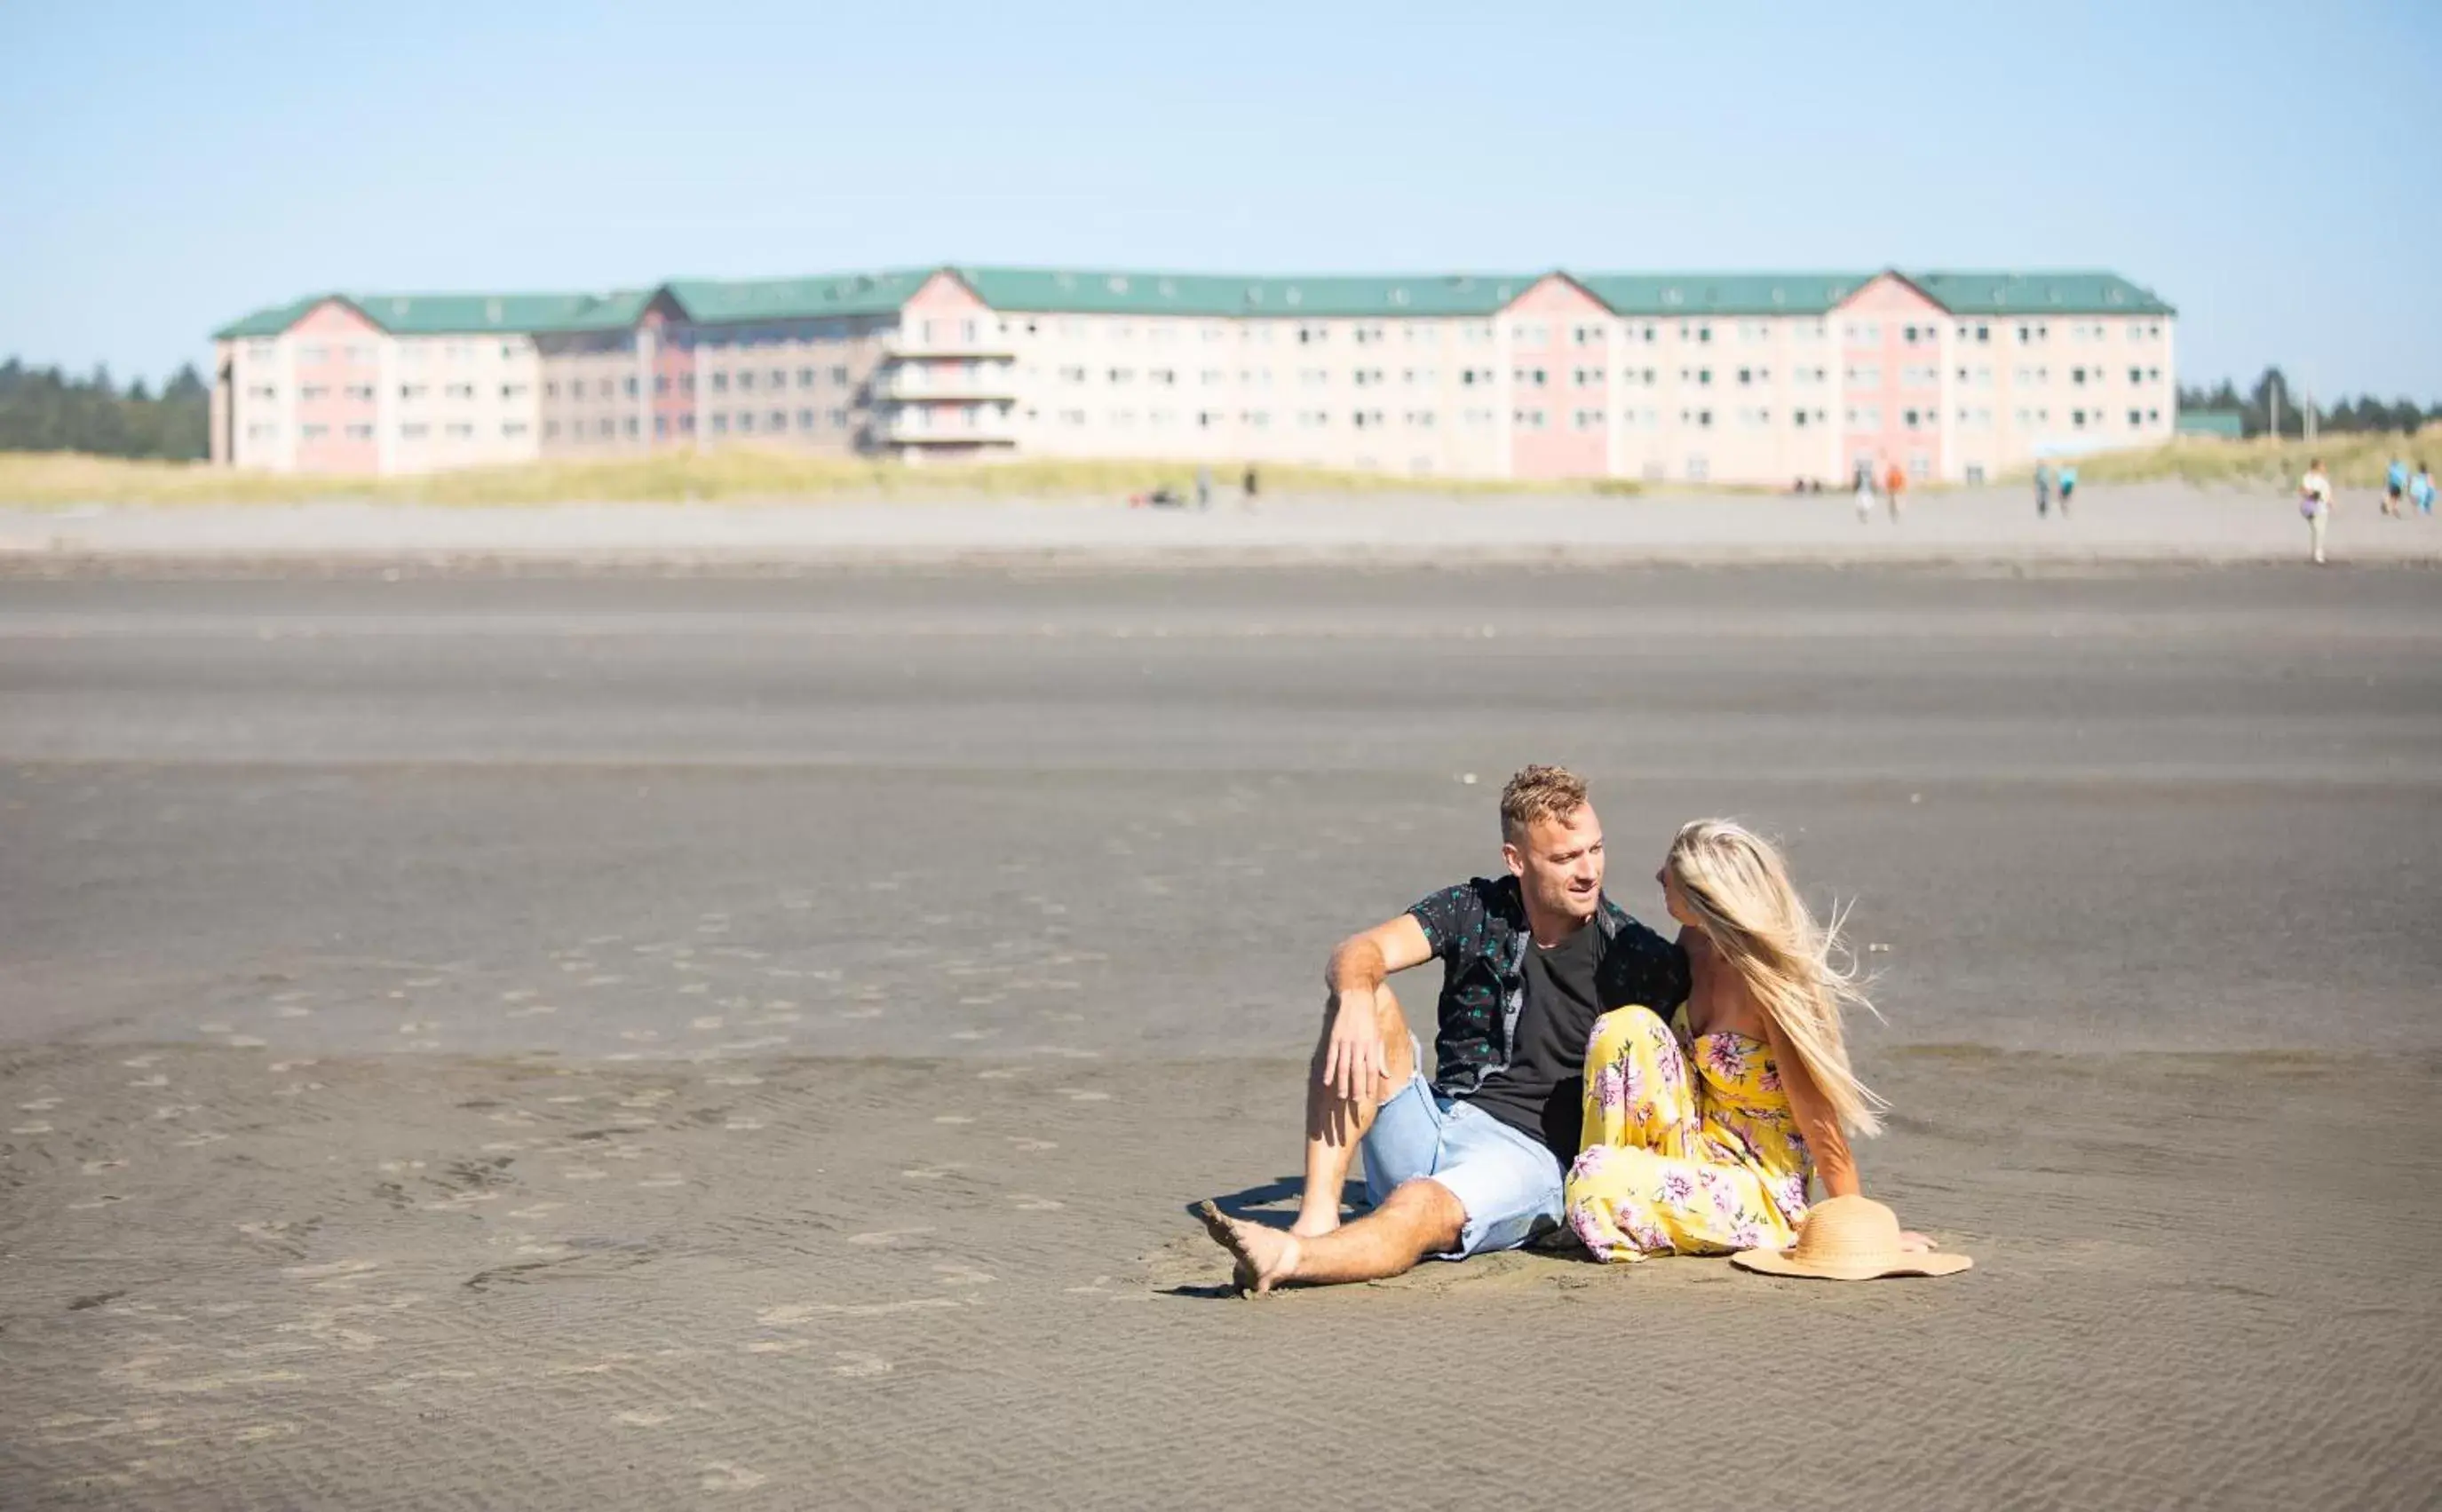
[2396, 484]
[2067, 485]
[2420, 490]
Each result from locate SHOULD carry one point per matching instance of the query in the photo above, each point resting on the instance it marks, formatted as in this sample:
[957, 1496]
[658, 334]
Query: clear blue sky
[2267, 168]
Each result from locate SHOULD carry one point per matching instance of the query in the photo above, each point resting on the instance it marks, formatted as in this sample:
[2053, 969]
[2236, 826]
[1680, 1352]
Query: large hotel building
[1687, 377]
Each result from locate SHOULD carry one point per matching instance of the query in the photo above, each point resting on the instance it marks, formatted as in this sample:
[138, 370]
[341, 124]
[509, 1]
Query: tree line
[2272, 395]
[44, 410]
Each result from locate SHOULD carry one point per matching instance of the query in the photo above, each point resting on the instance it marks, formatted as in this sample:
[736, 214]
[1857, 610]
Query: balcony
[966, 381]
[947, 341]
[925, 427]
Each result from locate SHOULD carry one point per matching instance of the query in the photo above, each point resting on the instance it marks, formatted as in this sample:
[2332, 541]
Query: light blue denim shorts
[1508, 1184]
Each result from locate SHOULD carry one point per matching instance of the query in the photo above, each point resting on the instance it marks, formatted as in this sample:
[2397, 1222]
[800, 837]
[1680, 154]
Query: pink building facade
[1662, 378]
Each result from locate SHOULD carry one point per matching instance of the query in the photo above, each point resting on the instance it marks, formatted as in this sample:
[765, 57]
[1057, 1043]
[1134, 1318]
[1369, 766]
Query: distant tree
[42, 410]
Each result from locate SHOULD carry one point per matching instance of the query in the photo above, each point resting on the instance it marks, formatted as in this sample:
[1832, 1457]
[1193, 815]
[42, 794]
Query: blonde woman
[1699, 1139]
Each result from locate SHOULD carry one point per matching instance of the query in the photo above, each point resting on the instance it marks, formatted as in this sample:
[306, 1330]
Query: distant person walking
[2315, 503]
[1203, 486]
[1864, 492]
[1248, 486]
[2420, 490]
[1895, 484]
[2395, 486]
[2067, 486]
[2043, 489]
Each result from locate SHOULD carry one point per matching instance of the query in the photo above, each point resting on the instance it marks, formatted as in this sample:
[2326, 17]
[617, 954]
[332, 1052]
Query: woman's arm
[1833, 1163]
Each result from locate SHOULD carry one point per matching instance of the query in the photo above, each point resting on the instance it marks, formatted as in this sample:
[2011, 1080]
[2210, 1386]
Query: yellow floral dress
[1696, 1165]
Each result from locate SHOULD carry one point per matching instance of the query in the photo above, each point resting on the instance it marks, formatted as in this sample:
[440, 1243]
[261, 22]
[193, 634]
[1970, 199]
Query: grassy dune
[731, 476]
[2353, 460]
[746, 475]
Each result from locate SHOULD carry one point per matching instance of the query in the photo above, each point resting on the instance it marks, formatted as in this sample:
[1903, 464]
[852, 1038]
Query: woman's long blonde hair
[1736, 886]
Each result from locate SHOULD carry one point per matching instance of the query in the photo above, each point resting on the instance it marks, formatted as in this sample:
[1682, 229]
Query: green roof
[2064, 293]
[459, 313]
[1118, 292]
[732, 299]
[1338, 296]
[1656, 294]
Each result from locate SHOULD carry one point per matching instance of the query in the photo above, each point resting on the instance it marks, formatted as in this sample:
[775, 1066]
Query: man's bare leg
[1334, 1123]
[1421, 1218]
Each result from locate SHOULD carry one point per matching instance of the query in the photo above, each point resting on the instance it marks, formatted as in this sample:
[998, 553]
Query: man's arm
[1355, 1062]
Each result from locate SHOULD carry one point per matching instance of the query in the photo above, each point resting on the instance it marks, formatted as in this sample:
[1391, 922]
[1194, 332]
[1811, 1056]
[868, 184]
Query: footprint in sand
[719, 1475]
[31, 1128]
[952, 1117]
[641, 1419]
[531, 1010]
[1027, 1202]
[854, 1364]
[1078, 1094]
[887, 1236]
[39, 1105]
[1031, 1146]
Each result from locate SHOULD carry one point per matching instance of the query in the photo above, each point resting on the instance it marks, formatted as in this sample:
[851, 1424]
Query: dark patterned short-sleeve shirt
[1478, 931]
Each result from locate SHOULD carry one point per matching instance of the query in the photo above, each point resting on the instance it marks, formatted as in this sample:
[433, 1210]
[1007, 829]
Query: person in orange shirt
[1894, 486]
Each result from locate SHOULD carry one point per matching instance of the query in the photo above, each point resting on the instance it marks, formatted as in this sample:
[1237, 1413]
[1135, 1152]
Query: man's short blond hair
[1538, 793]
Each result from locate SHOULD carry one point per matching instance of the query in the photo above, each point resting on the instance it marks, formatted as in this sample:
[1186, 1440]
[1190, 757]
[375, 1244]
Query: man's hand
[1356, 1065]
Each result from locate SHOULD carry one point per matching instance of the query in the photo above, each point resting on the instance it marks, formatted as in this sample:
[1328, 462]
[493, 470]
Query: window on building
[1698, 469]
[417, 430]
[459, 430]
[512, 430]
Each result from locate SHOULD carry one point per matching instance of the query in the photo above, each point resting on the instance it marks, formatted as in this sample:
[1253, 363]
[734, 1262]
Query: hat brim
[1785, 1263]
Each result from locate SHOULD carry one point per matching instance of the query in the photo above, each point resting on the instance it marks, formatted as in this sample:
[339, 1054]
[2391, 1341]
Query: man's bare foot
[1266, 1256]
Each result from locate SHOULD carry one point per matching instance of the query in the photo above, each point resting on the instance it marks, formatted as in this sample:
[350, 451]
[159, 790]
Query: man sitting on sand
[1475, 1160]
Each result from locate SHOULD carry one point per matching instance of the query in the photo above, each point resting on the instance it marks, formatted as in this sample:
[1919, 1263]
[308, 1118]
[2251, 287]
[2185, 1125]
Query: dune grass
[2355, 460]
[734, 475]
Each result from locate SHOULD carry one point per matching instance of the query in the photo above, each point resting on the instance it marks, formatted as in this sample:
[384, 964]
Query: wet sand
[636, 1043]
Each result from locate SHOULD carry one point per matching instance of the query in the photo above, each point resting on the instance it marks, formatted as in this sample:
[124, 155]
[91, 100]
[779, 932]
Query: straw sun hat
[1848, 1239]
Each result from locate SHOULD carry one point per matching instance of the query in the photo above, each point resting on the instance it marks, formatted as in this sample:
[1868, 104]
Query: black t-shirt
[1540, 1093]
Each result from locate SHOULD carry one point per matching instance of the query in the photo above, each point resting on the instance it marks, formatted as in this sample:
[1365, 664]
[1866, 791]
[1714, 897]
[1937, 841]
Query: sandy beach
[560, 1041]
[2145, 523]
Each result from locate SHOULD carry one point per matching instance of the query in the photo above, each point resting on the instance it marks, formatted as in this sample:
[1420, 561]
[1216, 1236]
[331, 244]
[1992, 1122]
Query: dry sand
[2152, 522]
